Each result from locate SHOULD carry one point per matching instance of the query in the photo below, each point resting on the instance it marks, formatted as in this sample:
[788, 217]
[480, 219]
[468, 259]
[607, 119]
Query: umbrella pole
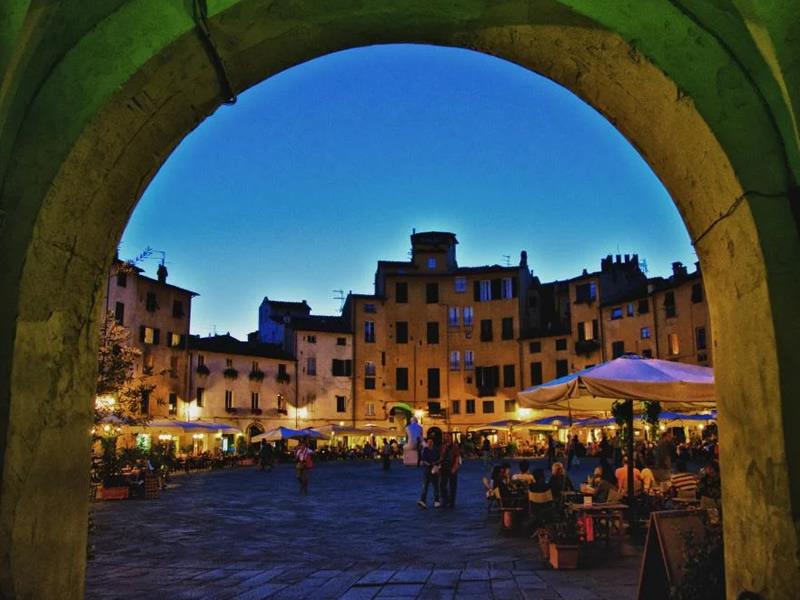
[629, 444]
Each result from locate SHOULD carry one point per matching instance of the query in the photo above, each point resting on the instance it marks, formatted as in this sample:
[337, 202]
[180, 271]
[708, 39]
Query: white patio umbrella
[629, 378]
[277, 434]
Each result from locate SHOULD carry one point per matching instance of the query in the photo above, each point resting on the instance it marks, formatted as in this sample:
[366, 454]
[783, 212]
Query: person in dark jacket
[559, 481]
[432, 463]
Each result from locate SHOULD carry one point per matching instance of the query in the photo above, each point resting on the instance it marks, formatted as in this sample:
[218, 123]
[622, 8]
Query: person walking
[486, 451]
[431, 461]
[451, 463]
[265, 456]
[573, 446]
[551, 450]
[386, 454]
[303, 464]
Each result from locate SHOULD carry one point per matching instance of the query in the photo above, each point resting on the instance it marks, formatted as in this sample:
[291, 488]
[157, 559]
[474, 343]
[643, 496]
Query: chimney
[627, 258]
[678, 270]
[619, 259]
[162, 274]
[523, 259]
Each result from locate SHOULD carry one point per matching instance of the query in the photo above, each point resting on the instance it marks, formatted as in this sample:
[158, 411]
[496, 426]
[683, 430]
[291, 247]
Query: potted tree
[563, 537]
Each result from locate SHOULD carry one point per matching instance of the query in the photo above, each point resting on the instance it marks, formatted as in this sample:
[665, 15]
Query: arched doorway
[254, 429]
[92, 103]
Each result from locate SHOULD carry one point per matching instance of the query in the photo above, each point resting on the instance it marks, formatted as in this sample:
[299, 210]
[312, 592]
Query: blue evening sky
[320, 171]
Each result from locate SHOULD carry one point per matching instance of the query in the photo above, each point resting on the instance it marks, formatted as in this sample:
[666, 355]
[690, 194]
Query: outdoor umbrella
[628, 377]
[277, 434]
[330, 430]
[505, 424]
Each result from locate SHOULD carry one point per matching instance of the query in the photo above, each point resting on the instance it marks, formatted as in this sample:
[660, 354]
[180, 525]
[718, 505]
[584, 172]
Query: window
[470, 406]
[452, 316]
[536, 373]
[509, 376]
[119, 313]
[535, 347]
[370, 409]
[486, 330]
[488, 407]
[697, 293]
[200, 397]
[150, 302]
[433, 383]
[229, 363]
[431, 263]
[401, 292]
[507, 289]
[469, 316]
[585, 293]
[469, 359]
[173, 366]
[311, 339]
[455, 407]
[341, 341]
[228, 399]
[561, 344]
[562, 368]
[587, 330]
[149, 335]
[401, 378]
[647, 353]
[369, 308]
[253, 401]
[282, 374]
[432, 293]
[644, 307]
[433, 332]
[201, 360]
[485, 290]
[669, 304]
[369, 332]
[401, 332]
[383, 359]
[616, 313]
[629, 309]
[148, 362]
[700, 337]
[342, 368]
[281, 402]
[254, 366]
[341, 404]
[173, 403]
[177, 309]
[674, 346]
[488, 379]
[455, 360]
[461, 285]
[311, 365]
[507, 332]
[645, 333]
[122, 280]
[174, 340]
[510, 406]
[617, 349]
[369, 375]
[145, 400]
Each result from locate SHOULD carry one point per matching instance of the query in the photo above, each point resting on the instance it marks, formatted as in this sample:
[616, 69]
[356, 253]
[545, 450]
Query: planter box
[114, 493]
[564, 556]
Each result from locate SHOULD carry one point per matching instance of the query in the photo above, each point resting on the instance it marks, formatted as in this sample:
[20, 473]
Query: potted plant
[230, 373]
[283, 378]
[563, 537]
[203, 370]
[256, 375]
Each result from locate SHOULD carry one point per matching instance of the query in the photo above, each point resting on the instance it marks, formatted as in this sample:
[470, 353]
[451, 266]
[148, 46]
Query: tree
[119, 392]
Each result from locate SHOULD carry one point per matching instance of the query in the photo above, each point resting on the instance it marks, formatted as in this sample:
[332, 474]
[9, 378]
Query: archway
[95, 98]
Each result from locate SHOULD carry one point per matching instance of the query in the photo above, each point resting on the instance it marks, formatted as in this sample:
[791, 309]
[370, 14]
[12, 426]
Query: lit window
[674, 346]
[369, 332]
[507, 290]
[455, 360]
[431, 263]
[174, 340]
[461, 285]
[469, 359]
[616, 313]
[452, 316]
[629, 309]
[645, 333]
[311, 365]
[469, 316]
[370, 409]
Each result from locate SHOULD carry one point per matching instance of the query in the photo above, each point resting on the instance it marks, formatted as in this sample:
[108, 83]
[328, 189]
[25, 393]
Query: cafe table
[602, 513]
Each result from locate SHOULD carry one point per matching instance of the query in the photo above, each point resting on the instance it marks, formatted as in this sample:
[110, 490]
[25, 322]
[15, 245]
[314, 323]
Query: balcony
[231, 410]
[202, 370]
[283, 378]
[256, 375]
[486, 390]
[586, 347]
[256, 411]
[230, 373]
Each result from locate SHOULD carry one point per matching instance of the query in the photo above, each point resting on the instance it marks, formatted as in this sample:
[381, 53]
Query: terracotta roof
[227, 344]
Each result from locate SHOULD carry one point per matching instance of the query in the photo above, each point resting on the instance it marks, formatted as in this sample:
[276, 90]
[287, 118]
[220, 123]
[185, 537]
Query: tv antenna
[506, 259]
[643, 265]
[339, 295]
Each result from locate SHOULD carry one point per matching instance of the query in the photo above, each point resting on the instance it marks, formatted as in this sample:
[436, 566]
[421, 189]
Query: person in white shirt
[524, 474]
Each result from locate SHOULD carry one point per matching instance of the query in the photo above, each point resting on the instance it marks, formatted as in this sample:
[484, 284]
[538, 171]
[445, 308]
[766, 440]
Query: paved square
[244, 533]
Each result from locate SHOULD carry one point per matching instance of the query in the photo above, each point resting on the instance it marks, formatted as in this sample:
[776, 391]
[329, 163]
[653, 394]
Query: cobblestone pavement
[247, 534]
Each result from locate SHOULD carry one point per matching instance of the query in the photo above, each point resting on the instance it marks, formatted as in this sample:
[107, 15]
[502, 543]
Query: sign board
[663, 560]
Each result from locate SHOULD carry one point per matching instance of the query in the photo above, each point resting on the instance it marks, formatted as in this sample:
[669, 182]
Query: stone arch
[94, 98]
[254, 428]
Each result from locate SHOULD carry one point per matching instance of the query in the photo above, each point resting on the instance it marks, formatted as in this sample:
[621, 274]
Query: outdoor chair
[540, 506]
[492, 500]
[510, 513]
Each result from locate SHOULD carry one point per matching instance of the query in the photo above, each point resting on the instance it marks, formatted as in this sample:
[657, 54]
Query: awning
[401, 406]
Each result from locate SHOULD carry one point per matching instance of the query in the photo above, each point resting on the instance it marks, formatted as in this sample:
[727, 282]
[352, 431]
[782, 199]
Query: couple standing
[441, 465]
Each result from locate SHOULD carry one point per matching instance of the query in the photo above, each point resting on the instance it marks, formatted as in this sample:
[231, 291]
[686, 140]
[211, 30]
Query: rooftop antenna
[507, 259]
[643, 265]
[339, 295]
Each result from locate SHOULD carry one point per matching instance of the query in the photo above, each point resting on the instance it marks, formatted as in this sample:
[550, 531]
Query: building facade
[158, 315]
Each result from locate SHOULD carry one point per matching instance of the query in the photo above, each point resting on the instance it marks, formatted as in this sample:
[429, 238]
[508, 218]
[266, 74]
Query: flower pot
[563, 556]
